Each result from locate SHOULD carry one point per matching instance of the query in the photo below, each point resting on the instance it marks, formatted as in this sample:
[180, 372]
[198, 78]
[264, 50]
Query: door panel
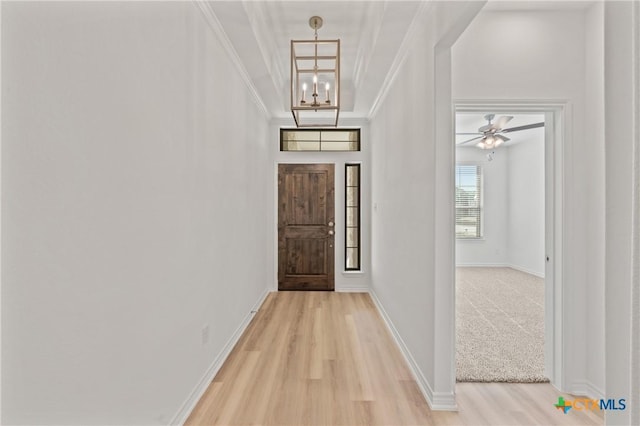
[306, 226]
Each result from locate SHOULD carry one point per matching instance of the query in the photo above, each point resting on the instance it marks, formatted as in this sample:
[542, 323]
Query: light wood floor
[325, 358]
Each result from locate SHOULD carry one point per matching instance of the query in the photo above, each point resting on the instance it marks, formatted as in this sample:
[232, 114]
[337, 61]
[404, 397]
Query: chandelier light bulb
[326, 88]
[304, 91]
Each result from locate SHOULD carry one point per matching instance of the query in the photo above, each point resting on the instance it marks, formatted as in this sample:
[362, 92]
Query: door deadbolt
[330, 223]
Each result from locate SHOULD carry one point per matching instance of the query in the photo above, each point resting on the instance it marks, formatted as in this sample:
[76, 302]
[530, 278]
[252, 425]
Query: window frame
[358, 217]
[479, 172]
[321, 132]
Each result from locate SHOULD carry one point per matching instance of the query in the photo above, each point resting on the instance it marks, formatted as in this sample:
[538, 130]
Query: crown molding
[371, 24]
[399, 59]
[261, 22]
[214, 24]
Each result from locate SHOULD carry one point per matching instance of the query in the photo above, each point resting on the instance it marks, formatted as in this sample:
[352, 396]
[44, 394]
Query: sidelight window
[352, 219]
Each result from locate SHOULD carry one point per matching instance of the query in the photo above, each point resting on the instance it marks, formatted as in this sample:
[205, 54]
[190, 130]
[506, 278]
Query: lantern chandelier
[315, 80]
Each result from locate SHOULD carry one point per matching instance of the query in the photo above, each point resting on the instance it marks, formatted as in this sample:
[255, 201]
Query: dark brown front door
[306, 226]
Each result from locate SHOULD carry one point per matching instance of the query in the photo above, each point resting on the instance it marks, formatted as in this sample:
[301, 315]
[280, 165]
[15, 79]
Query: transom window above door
[319, 140]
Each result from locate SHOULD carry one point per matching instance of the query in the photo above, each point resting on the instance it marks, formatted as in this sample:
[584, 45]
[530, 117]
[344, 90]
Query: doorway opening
[507, 231]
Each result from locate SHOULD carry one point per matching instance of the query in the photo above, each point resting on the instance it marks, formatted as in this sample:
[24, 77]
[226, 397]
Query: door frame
[345, 281]
[558, 114]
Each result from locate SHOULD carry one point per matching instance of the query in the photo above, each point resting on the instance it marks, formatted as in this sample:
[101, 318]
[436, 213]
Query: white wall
[595, 207]
[526, 199]
[412, 196]
[622, 162]
[403, 218]
[542, 56]
[133, 209]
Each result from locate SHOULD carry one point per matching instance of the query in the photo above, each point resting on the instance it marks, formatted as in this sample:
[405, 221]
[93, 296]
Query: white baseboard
[587, 389]
[500, 265]
[438, 401]
[188, 406]
[352, 289]
[444, 401]
[482, 265]
[526, 271]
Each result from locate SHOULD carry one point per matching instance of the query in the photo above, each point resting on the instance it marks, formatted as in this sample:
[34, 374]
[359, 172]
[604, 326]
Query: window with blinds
[468, 201]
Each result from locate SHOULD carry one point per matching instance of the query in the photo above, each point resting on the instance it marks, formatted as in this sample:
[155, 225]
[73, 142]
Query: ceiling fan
[491, 134]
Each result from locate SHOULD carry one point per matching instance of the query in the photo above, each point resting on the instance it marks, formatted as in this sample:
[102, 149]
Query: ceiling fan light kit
[492, 141]
[315, 80]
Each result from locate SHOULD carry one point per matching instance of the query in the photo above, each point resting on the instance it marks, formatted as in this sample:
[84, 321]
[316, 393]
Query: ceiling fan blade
[470, 140]
[525, 127]
[502, 121]
[473, 133]
[485, 128]
[502, 138]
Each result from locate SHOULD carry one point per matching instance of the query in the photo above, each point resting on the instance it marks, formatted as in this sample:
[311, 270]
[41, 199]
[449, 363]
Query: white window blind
[468, 201]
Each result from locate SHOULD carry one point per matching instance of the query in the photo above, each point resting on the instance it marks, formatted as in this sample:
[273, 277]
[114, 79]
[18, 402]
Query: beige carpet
[499, 326]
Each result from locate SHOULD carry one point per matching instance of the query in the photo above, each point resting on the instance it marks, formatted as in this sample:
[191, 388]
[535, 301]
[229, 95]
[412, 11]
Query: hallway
[314, 358]
[325, 358]
[140, 145]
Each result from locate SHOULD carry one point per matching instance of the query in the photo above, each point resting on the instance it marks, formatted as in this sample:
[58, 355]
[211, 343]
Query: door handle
[331, 232]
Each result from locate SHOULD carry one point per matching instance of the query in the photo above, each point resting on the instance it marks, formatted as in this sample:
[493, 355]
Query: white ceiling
[371, 34]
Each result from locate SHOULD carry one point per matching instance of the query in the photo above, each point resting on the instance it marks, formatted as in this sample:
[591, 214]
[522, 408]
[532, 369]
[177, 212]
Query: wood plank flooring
[513, 404]
[325, 358]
